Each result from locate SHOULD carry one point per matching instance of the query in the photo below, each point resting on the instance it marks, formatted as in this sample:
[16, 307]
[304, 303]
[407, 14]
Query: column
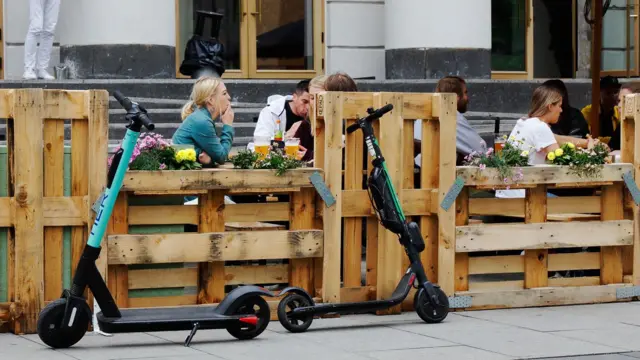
[431, 39]
[118, 38]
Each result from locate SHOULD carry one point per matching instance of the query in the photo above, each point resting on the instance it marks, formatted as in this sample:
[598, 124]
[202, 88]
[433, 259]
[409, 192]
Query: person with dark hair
[609, 116]
[340, 82]
[572, 121]
[467, 138]
[282, 112]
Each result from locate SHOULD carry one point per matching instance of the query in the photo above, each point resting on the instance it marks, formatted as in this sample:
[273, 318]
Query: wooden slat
[277, 211]
[515, 206]
[79, 183]
[219, 246]
[444, 108]
[65, 104]
[417, 106]
[544, 236]
[352, 242]
[355, 104]
[332, 104]
[261, 274]
[415, 202]
[577, 281]
[183, 214]
[611, 256]
[429, 179]
[357, 293]
[215, 179]
[53, 186]
[28, 211]
[6, 103]
[575, 261]
[118, 275]
[535, 260]
[301, 217]
[540, 174]
[9, 311]
[162, 301]
[211, 273]
[57, 211]
[162, 278]
[575, 295]
[496, 285]
[496, 264]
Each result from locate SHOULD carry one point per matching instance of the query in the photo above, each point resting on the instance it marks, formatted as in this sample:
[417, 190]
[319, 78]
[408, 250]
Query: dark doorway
[553, 39]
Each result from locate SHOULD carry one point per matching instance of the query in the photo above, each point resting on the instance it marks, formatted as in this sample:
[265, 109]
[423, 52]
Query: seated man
[467, 139]
[609, 116]
[282, 112]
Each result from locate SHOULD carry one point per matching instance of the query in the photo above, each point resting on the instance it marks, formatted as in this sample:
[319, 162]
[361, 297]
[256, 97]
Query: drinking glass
[261, 146]
[291, 147]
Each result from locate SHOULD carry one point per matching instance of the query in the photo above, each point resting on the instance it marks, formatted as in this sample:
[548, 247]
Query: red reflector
[253, 320]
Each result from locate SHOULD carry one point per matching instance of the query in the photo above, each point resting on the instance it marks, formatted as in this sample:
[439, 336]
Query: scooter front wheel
[429, 313]
[254, 305]
[50, 327]
[290, 302]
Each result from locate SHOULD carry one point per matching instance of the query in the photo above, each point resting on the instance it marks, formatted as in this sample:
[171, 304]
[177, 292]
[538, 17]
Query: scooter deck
[169, 319]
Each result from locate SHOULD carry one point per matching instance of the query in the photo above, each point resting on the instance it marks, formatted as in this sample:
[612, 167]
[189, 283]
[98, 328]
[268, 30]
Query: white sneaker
[43, 74]
[29, 74]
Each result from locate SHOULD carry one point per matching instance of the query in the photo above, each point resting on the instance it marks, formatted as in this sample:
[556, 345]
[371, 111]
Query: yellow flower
[559, 152]
[571, 145]
[524, 153]
[551, 156]
[190, 154]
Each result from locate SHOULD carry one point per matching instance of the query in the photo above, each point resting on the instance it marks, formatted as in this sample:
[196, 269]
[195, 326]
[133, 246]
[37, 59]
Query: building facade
[369, 39]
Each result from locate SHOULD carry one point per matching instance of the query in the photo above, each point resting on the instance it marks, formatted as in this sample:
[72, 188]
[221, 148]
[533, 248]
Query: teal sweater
[198, 130]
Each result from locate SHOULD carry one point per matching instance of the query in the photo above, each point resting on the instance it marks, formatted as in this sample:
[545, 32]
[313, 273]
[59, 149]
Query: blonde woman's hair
[203, 89]
[543, 96]
[318, 81]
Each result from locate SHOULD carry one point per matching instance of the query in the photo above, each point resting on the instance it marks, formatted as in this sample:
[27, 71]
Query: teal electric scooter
[63, 322]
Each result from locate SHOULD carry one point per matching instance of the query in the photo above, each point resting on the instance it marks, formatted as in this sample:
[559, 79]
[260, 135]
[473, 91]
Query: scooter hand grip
[352, 128]
[124, 101]
[146, 121]
[380, 112]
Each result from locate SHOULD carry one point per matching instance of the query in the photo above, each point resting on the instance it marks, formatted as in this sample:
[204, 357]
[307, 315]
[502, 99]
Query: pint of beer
[261, 146]
[291, 147]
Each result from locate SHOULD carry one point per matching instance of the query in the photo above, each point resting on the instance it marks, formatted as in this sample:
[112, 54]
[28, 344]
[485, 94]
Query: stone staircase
[166, 115]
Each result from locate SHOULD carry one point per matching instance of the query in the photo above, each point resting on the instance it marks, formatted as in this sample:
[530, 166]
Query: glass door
[231, 28]
[619, 39]
[285, 38]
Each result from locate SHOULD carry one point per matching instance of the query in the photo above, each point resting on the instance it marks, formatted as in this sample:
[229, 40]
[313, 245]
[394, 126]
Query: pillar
[118, 38]
[428, 39]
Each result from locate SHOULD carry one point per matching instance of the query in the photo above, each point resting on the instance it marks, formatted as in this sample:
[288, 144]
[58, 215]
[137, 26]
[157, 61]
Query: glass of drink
[291, 147]
[498, 143]
[261, 146]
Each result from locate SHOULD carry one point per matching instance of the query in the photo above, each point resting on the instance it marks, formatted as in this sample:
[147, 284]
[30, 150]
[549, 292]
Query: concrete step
[172, 116]
[155, 103]
[117, 131]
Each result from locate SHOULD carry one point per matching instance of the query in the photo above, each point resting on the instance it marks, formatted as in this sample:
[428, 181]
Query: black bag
[203, 52]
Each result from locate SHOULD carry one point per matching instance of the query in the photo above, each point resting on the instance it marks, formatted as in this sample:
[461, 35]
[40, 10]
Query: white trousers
[43, 17]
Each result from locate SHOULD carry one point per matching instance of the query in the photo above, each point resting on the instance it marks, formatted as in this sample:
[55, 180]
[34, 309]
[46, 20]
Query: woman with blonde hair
[533, 134]
[209, 102]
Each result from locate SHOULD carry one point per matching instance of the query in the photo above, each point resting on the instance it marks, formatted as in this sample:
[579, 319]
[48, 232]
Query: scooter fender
[235, 298]
[299, 291]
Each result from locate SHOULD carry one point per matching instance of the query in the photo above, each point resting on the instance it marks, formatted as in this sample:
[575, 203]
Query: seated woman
[209, 102]
[535, 131]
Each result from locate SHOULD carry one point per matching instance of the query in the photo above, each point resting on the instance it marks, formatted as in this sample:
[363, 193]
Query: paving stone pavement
[588, 332]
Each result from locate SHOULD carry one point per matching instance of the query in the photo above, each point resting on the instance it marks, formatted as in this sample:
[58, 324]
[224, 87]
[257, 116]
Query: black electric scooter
[297, 310]
[63, 322]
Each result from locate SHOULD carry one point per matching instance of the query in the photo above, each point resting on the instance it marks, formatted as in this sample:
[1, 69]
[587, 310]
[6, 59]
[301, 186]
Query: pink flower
[163, 166]
[490, 151]
[483, 166]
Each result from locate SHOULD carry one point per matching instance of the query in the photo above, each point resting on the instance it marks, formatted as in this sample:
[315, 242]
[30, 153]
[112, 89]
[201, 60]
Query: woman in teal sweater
[209, 102]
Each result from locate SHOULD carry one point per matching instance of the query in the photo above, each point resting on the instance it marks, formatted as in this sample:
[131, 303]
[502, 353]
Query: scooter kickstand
[187, 341]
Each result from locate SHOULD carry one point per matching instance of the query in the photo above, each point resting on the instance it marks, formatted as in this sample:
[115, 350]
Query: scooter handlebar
[373, 115]
[128, 105]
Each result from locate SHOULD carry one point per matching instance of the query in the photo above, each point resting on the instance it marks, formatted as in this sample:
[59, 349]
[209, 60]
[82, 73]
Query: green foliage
[511, 156]
[276, 160]
[582, 162]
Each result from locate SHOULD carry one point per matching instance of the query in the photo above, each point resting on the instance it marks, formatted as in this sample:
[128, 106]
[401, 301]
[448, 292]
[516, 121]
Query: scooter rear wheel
[248, 307]
[296, 325]
[427, 312]
[49, 326]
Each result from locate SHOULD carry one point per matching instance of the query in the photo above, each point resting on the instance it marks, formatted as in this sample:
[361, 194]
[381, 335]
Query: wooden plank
[444, 108]
[301, 218]
[611, 256]
[80, 184]
[538, 297]
[162, 301]
[118, 275]
[636, 209]
[357, 293]
[462, 259]
[544, 236]
[216, 179]
[331, 107]
[515, 206]
[261, 274]
[28, 187]
[408, 183]
[496, 285]
[415, 202]
[496, 264]
[211, 272]
[355, 104]
[389, 252]
[352, 242]
[162, 278]
[214, 246]
[429, 179]
[417, 106]
[53, 186]
[182, 214]
[9, 311]
[65, 104]
[57, 211]
[277, 211]
[575, 261]
[540, 174]
[6, 103]
[535, 261]
[576, 281]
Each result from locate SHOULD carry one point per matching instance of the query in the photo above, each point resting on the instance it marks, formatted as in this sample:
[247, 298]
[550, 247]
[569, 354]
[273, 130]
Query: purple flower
[483, 166]
[490, 151]
[163, 166]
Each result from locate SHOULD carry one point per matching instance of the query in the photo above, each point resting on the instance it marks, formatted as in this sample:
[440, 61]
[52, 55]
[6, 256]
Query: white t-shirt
[535, 135]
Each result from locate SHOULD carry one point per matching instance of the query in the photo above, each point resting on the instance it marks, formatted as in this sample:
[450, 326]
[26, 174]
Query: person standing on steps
[43, 17]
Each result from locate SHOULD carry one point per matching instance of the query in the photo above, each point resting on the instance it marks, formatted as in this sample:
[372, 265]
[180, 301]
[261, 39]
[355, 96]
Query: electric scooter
[297, 310]
[63, 322]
